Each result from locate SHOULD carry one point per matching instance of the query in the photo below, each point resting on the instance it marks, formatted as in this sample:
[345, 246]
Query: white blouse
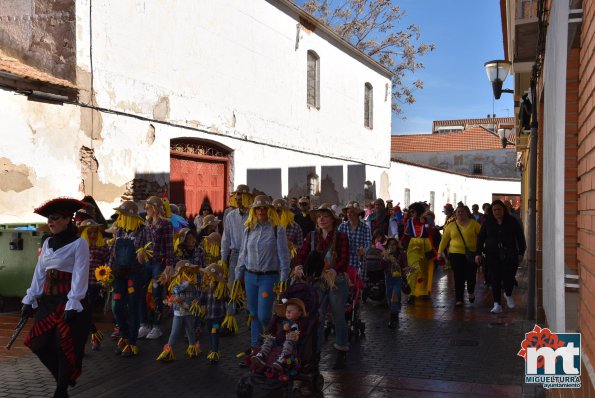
[72, 258]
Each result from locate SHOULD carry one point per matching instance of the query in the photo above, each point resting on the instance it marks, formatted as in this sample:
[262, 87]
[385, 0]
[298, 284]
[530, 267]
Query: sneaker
[116, 334]
[278, 364]
[143, 331]
[155, 333]
[509, 301]
[260, 359]
[497, 309]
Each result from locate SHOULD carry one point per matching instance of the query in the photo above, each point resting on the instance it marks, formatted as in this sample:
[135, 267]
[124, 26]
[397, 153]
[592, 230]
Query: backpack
[124, 255]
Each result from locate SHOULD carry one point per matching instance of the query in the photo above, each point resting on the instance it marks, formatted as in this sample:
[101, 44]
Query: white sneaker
[155, 333]
[143, 331]
[509, 301]
[497, 309]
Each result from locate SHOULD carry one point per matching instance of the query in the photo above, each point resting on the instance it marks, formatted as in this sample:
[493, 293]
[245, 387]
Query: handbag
[469, 255]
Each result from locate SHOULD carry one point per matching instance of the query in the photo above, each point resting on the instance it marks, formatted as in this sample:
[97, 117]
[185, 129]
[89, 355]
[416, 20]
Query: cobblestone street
[437, 351]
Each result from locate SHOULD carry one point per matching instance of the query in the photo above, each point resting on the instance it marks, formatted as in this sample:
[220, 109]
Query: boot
[394, 320]
[341, 360]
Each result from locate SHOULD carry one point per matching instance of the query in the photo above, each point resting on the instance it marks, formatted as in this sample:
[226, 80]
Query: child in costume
[183, 289]
[286, 333]
[213, 299]
[186, 247]
[211, 245]
[395, 261]
[129, 253]
[99, 254]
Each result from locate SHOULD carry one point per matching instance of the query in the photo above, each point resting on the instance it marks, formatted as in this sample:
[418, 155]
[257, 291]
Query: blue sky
[467, 33]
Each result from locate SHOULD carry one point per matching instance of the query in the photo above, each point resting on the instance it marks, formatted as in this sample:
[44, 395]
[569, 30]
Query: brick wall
[570, 162]
[586, 186]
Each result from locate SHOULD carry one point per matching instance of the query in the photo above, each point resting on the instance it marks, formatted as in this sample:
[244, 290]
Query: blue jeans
[185, 321]
[213, 327]
[126, 306]
[151, 270]
[260, 296]
[393, 293]
[336, 298]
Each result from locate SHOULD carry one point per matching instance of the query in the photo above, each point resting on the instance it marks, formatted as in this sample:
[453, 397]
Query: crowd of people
[207, 270]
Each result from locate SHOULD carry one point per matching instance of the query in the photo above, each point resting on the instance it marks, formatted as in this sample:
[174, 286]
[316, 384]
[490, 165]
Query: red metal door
[192, 180]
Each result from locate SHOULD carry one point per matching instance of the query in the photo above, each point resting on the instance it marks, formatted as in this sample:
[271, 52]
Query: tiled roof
[472, 139]
[473, 122]
[19, 70]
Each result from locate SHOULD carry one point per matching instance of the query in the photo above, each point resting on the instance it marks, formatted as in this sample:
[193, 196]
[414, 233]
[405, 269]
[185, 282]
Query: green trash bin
[19, 248]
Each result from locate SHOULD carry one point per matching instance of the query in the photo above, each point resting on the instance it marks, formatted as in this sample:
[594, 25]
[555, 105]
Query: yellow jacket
[452, 237]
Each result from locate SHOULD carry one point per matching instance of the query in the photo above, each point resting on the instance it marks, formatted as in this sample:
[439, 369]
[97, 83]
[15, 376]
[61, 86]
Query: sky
[467, 33]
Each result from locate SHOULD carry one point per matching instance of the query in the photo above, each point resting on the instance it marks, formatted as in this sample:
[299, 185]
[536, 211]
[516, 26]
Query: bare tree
[370, 25]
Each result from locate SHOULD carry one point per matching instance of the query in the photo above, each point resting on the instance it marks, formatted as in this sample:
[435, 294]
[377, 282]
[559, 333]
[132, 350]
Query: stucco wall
[495, 163]
[447, 187]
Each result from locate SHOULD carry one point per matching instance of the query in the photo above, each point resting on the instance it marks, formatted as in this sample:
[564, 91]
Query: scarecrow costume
[99, 254]
[213, 298]
[183, 251]
[183, 297]
[131, 243]
[212, 248]
[57, 291]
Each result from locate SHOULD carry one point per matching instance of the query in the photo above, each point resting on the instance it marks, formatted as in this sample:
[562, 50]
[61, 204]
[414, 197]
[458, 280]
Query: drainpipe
[532, 202]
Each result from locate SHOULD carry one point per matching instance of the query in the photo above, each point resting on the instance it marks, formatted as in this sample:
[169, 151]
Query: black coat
[509, 235]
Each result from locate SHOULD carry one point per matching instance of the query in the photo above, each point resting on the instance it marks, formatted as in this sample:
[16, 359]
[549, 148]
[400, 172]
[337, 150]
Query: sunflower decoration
[104, 276]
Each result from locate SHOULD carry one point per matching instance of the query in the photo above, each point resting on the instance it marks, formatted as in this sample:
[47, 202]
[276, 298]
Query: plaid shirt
[163, 242]
[215, 308]
[295, 235]
[360, 237]
[142, 236]
[97, 256]
[341, 259]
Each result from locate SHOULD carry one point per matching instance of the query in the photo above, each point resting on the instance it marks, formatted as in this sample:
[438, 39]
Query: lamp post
[497, 72]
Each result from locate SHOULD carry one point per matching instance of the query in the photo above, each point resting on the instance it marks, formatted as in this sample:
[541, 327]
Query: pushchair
[374, 282]
[303, 362]
[355, 326]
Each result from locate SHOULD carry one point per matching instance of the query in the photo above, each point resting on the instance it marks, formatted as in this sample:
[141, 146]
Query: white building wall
[447, 187]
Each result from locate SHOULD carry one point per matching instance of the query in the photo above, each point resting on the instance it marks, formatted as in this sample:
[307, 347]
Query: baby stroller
[373, 276]
[355, 326]
[304, 360]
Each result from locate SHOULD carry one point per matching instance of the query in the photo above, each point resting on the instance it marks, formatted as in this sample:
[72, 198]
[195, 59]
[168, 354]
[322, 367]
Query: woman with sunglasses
[57, 291]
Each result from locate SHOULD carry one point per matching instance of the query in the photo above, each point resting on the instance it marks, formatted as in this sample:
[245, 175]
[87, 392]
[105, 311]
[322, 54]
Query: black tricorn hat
[64, 206]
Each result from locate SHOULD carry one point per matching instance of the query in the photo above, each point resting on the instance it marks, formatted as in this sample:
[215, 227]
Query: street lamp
[497, 72]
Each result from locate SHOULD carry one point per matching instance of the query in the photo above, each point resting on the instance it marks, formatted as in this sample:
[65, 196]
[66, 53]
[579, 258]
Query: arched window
[313, 79]
[313, 184]
[368, 105]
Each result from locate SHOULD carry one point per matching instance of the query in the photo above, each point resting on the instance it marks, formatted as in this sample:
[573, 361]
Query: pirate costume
[58, 291]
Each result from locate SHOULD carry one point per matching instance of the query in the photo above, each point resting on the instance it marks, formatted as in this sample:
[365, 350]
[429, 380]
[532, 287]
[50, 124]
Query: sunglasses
[54, 217]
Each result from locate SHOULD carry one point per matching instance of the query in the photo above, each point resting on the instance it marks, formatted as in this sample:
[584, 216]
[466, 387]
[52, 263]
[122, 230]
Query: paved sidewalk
[437, 351]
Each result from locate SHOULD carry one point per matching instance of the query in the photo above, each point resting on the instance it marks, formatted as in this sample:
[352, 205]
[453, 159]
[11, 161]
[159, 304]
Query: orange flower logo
[538, 338]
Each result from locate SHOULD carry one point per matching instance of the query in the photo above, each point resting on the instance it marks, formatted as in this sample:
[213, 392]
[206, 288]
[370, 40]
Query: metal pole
[532, 202]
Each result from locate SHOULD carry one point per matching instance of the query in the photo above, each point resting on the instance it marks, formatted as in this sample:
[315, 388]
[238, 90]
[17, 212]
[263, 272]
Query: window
[313, 77]
[477, 168]
[368, 105]
[313, 181]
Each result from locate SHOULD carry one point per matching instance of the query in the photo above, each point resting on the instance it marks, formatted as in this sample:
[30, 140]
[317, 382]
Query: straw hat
[184, 233]
[184, 264]
[281, 307]
[128, 208]
[242, 189]
[214, 238]
[216, 271]
[208, 220]
[89, 223]
[262, 201]
[280, 204]
[328, 209]
[157, 203]
[352, 205]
